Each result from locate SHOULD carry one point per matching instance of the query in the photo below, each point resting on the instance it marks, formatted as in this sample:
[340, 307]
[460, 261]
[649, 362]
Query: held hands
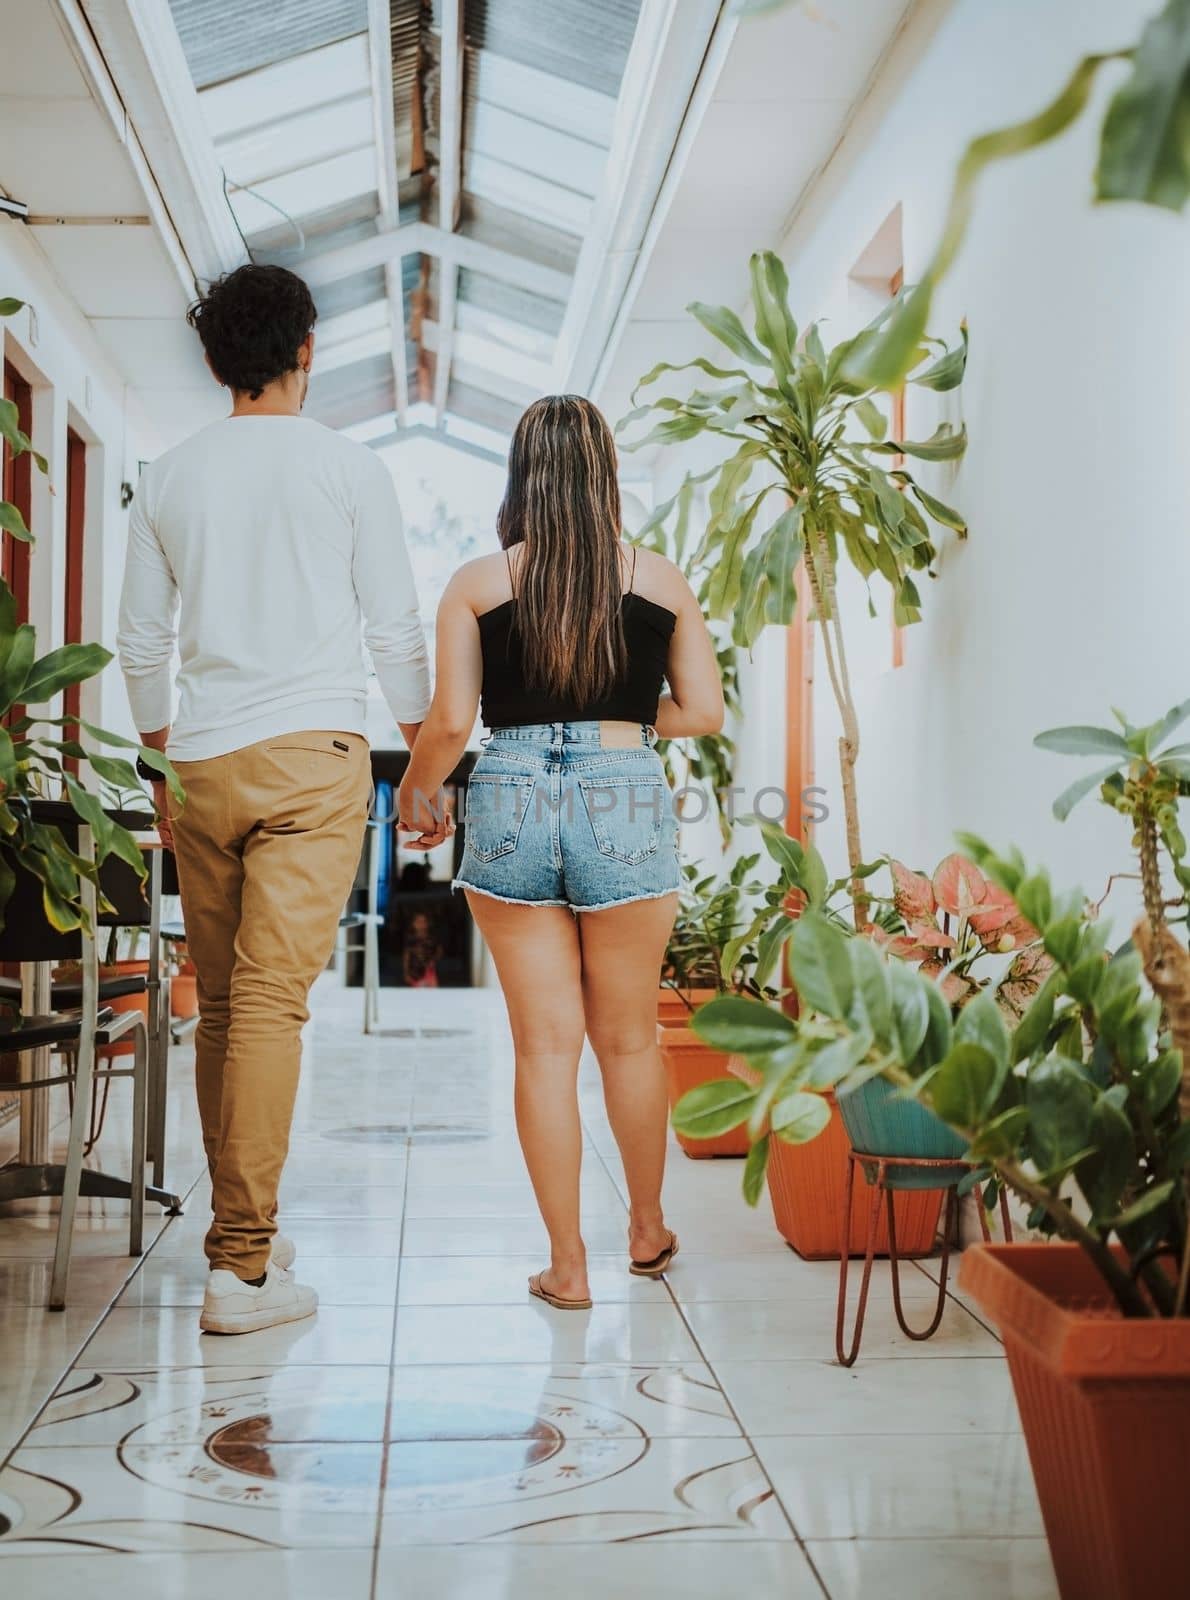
[428, 817]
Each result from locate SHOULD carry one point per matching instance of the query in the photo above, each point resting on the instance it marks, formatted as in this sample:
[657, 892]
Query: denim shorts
[555, 819]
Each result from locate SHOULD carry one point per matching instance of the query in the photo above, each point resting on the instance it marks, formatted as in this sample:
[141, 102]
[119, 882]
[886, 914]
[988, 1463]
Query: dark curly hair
[251, 323]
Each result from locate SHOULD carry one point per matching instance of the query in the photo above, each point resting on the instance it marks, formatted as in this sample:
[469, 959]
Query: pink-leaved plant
[953, 919]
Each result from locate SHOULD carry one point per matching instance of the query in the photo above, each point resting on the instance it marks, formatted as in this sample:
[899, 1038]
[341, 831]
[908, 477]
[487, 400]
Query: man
[257, 549]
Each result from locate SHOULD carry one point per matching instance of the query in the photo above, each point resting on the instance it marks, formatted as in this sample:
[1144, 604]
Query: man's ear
[306, 352]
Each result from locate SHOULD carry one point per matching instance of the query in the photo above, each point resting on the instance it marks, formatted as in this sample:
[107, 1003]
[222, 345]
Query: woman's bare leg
[622, 951]
[536, 951]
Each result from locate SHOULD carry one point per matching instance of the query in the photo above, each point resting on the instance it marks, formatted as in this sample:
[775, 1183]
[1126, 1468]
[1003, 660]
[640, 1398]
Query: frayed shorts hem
[603, 905]
[504, 899]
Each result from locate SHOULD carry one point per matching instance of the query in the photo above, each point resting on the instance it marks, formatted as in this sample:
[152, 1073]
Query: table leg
[34, 1144]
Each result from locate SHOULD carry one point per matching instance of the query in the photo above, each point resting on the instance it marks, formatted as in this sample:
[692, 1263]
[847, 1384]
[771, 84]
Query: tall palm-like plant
[806, 432]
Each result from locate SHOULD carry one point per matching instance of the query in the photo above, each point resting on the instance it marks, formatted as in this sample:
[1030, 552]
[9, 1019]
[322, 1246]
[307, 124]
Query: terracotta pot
[674, 1007]
[689, 1062]
[126, 1002]
[807, 1183]
[183, 992]
[1105, 1405]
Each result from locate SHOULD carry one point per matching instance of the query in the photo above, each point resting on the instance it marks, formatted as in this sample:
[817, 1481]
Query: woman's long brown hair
[563, 504]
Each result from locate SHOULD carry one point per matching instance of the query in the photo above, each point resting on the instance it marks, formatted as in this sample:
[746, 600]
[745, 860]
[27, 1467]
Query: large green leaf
[775, 327]
[1083, 741]
[820, 966]
[754, 1169]
[1070, 796]
[740, 1025]
[13, 522]
[713, 1108]
[1172, 719]
[703, 365]
[9, 306]
[1105, 1175]
[884, 360]
[949, 370]
[982, 1022]
[935, 1047]
[69, 664]
[910, 1010]
[800, 1117]
[1060, 1102]
[1145, 149]
[729, 330]
[835, 1061]
[940, 511]
[16, 666]
[962, 1088]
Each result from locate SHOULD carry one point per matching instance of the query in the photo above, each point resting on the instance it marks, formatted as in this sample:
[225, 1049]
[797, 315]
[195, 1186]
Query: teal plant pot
[880, 1123]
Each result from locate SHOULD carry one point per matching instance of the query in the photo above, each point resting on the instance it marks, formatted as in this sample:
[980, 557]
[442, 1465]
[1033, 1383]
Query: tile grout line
[710, 1366]
[374, 1576]
[73, 1361]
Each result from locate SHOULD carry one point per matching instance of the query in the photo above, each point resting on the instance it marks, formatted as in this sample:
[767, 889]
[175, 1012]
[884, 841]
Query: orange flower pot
[126, 1002]
[183, 992]
[676, 1007]
[689, 1062]
[1105, 1405]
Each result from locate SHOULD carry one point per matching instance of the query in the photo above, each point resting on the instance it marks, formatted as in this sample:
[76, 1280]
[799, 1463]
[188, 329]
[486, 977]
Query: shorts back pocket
[495, 813]
[625, 815]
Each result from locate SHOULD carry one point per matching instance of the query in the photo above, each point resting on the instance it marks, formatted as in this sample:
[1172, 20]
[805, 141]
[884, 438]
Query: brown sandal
[539, 1292]
[654, 1268]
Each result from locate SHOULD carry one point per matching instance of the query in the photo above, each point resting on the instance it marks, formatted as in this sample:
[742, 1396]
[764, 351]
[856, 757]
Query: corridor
[433, 1430]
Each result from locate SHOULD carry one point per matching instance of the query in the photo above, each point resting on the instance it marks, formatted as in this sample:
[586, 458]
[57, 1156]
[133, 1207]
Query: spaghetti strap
[508, 564]
[632, 577]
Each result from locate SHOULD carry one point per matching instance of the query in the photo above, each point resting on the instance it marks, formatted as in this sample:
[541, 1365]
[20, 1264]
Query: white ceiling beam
[381, 70]
[450, 169]
[677, 52]
[423, 238]
[132, 57]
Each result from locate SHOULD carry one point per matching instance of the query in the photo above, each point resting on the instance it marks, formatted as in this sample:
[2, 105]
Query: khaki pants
[267, 846]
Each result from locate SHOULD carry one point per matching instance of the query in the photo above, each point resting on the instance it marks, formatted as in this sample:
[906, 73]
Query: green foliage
[1082, 1092]
[1144, 155]
[33, 762]
[1145, 781]
[32, 767]
[792, 421]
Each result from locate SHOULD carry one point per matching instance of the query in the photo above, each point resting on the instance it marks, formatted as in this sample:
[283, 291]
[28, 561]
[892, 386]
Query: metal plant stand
[882, 1194]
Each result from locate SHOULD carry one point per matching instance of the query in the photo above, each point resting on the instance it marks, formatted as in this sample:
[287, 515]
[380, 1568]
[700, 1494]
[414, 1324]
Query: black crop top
[507, 700]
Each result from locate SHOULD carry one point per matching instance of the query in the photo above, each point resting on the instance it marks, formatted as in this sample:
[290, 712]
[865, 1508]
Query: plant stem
[1150, 871]
[826, 610]
[1129, 1298]
[1179, 1305]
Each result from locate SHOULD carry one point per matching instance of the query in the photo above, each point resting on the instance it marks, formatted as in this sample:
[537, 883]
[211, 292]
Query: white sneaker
[232, 1306]
[284, 1251]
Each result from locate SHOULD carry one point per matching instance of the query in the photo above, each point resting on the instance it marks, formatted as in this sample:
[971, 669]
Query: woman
[570, 866]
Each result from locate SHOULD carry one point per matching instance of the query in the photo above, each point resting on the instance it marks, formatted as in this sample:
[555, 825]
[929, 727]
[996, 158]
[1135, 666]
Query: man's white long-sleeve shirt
[261, 548]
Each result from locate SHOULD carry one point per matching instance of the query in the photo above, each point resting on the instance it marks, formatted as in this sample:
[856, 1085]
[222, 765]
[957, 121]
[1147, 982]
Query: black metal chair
[77, 1034]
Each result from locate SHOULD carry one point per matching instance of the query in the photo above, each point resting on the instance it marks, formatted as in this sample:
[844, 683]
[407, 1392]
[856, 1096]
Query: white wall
[53, 346]
[1070, 595]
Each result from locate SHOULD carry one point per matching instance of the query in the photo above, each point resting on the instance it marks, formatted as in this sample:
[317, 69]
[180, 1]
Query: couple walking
[258, 551]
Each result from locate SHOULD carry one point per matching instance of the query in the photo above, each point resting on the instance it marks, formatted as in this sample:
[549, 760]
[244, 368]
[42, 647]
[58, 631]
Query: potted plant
[791, 416]
[34, 748]
[801, 429]
[707, 955]
[183, 983]
[1081, 1105]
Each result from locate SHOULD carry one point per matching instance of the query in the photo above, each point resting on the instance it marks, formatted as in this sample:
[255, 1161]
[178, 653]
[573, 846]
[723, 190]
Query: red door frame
[76, 525]
[18, 490]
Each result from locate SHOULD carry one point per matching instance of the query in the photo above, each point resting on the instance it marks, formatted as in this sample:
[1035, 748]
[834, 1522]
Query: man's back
[278, 536]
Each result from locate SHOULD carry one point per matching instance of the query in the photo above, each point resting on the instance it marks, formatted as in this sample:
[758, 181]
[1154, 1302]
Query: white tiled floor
[433, 1431]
